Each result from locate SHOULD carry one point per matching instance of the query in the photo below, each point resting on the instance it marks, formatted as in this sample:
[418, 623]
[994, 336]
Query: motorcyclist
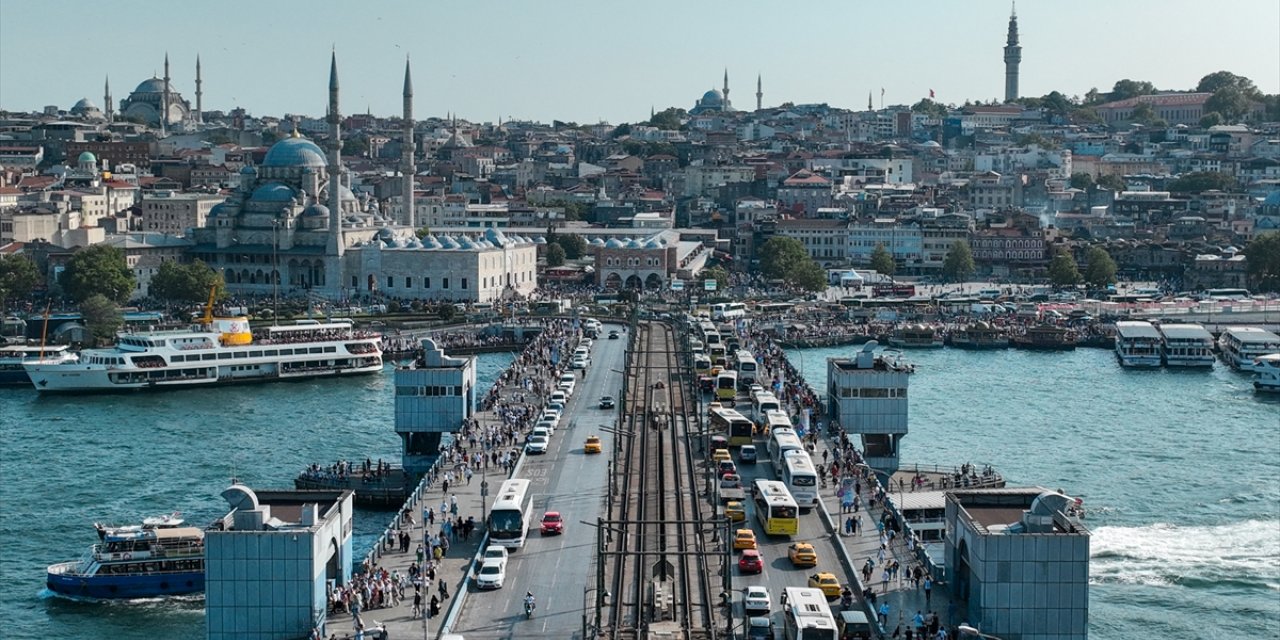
[529, 601]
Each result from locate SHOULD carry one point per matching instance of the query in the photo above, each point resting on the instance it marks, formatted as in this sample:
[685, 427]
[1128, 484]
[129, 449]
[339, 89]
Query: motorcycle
[528, 609]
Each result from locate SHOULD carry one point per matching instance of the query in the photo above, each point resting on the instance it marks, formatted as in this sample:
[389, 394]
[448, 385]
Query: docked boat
[14, 356]
[1046, 337]
[915, 336]
[1137, 344]
[1266, 373]
[160, 557]
[1242, 346]
[222, 351]
[1186, 345]
[980, 335]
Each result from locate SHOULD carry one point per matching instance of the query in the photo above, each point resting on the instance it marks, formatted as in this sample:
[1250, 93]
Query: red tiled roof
[1160, 100]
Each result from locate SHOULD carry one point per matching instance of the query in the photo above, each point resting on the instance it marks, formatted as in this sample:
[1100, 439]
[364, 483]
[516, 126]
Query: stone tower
[1012, 56]
[407, 147]
[164, 99]
[107, 99]
[759, 93]
[199, 119]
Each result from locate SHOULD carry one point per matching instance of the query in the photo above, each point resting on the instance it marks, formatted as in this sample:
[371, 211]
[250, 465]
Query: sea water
[69, 461]
[1179, 472]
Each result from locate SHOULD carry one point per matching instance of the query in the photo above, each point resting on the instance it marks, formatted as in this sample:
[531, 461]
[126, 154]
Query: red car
[750, 561]
[552, 523]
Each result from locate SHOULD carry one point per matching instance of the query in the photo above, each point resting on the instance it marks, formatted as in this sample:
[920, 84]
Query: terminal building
[434, 394]
[868, 396]
[1018, 563]
[270, 560]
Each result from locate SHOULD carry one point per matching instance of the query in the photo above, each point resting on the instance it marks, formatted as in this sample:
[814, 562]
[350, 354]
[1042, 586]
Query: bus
[747, 367]
[509, 517]
[728, 310]
[774, 420]
[762, 403]
[726, 385]
[776, 509]
[801, 478]
[1227, 294]
[782, 440]
[734, 425]
[807, 615]
[718, 355]
[893, 291]
[702, 364]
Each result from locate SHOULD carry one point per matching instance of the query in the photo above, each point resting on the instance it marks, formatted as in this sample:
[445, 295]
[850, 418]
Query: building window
[408, 282]
[390, 283]
[445, 285]
[464, 283]
[426, 282]
[354, 283]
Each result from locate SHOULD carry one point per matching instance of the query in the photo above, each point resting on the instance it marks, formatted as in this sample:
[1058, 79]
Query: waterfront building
[176, 213]
[826, 241]
[270, 560]
[868, 397]
[434, 394]
[1018, 562]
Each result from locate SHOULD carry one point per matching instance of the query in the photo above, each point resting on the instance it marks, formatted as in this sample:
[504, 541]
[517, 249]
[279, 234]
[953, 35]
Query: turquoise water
[71, 461]
[1179, 470]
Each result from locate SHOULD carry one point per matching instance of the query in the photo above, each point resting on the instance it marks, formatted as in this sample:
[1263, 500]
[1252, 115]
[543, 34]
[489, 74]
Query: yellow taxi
[592, 445]
[802, 554]
[746, 539]
[826, 582]
[735, 511]
[721, 454]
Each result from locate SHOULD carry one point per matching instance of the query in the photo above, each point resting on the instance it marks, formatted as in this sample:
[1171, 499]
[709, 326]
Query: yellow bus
[776, 509]
[702, 364]
[727, 385]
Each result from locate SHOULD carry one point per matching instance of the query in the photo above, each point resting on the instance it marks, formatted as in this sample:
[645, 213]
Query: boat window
[242, 354]
[270, 352]
[224, 356]
[208, 356]
[255, 354]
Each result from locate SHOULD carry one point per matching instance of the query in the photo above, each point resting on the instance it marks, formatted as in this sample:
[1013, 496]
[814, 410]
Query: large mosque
[295, 224]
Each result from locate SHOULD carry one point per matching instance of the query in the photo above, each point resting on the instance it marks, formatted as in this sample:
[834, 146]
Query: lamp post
[966, 629]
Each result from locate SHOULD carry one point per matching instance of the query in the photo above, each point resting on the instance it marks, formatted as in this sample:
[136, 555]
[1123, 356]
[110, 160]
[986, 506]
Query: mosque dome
[273, 192]
[248, 170]
[614, 243]
[295, 152]
[712, 98]
[386, 233]
[152, 85]
[316, 210]
[219, 209]
[87, 157]
[540, 240]
[83, 105]
[345, 195]
[596, 242]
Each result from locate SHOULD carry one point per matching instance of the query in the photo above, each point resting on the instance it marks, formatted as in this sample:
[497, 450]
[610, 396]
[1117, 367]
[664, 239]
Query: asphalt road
[557, 569]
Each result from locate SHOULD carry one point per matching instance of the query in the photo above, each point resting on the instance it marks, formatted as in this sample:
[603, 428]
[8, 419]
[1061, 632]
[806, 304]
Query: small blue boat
[160, 557]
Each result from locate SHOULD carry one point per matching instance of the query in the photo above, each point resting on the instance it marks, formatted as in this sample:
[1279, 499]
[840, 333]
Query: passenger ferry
[160, 557]
[222, 351]
[980, 335]
[12, 357]
[1138, 344]
[1266, 377]
[915, 337]
[1046, 337]
[1187, 345]
[1242, 346]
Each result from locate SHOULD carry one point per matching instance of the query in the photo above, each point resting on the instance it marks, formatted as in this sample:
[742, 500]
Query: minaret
[1012, 56]
[164, 98]
[759, 93]
[199, 94]
[726, 89]
[106, 89]
[335, 169]
[870, 107]
[410, 214]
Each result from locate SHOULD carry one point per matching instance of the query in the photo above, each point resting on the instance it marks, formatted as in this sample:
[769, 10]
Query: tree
[185, 282]
[1111, 182]
[1219, 80]
[623, 129]
[1125, 89]
[446, 311]
[422, 232]
[1263, 253]
[718, 274]
[958, 265]
[1232, 103]
[882, 262]
[98, 269]
[573, 244]
[18, 276]
[1202, 181]
[780, 256]
[102, 316]
[810, 276]
[1211, 119]
[1080, 180]
[1143, 114]
[1063, 271]
[555, 255]
[670, 119]
[355, 146]
[930, 108]
[1037, 140]
[1101, 269]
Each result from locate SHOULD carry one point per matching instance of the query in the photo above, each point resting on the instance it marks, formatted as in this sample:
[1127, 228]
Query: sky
[590, 61]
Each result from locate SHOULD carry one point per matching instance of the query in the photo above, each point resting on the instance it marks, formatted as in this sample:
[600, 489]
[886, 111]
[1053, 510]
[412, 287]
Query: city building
[1018, 562]
[827, 241]
[867, 396]
[176, 213]
[270, 560]
[434, 394]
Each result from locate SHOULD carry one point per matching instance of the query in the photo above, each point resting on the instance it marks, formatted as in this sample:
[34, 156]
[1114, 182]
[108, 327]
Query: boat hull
[14, 378]
[78, 379]
[126, 586]
[980, 345]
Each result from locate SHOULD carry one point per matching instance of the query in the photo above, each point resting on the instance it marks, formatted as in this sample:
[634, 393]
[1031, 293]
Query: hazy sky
[592, 60]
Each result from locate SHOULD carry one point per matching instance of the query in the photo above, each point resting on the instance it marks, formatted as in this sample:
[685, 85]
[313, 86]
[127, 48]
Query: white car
[756, 599]
[568, 382]
[579, 363]
[540, 431]
[537, 445]
[494, 553]
[546, 423]
[492, 574]
[559, 396]
[551, 414]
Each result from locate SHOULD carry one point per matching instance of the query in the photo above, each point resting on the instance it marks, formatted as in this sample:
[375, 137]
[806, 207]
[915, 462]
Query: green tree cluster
[555, 254]
[1263, 254]
[102, 316]
[1101, 269]
[1112, 182]
[716, 273]
[930, 108]
[1063, 271]
[882, 262]
[1202, 181]
[18, 276]
[786, 259]
[958, 265]
[669, 119]
[573, 244]
[1080, 180]
[98, 269]
[177, 282]
[1125, 89]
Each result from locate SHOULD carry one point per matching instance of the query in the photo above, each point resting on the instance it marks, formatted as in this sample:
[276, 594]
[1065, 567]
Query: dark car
[606, 402]
[613, 335]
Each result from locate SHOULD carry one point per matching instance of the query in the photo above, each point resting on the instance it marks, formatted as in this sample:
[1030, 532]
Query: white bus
[510, 515]
[728, 310]
[782, 440]
[762, 403]
[747, 367]
[801, 478]
[807, 615]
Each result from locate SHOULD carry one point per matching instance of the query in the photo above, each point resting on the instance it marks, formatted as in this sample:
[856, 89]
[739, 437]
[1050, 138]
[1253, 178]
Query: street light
[964, 628]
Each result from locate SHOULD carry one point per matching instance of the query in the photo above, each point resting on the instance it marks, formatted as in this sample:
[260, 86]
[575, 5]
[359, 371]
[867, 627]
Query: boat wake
[1240, 555]
[193, 599]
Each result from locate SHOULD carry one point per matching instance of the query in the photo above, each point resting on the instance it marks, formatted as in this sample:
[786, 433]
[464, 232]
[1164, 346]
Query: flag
[881, 92]
[931, 93]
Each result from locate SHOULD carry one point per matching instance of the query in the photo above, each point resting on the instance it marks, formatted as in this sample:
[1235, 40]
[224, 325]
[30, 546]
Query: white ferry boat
[221, 351]
[1138, 344]
[1187, 345]
[14, 356]
[1241, 346]
[1266, 377]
